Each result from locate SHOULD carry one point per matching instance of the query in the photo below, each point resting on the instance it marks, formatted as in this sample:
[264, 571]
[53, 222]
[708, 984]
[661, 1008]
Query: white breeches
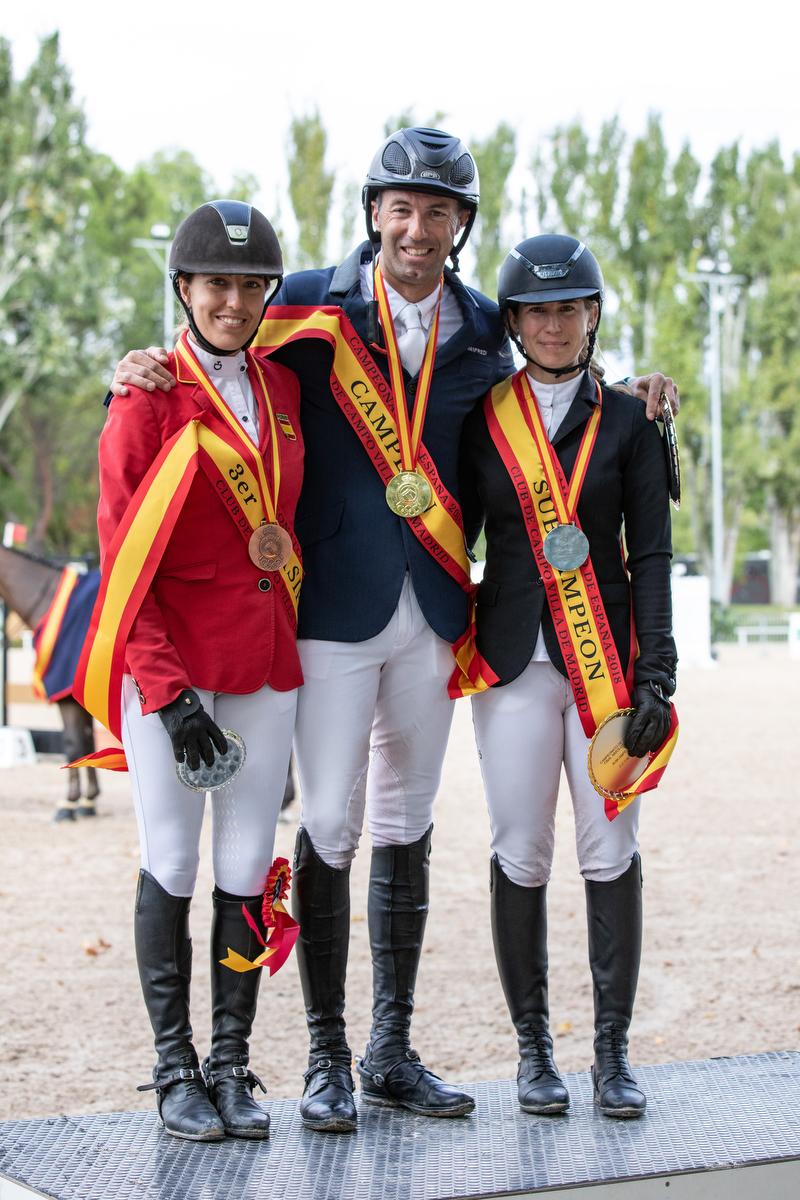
[372, 725]
[244, 813]
[524, 731]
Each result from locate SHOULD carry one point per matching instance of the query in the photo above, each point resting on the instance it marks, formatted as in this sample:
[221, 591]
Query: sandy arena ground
[721, 964]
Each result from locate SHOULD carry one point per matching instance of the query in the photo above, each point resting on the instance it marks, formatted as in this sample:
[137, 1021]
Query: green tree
[763, 245]
[54, 290]
[310, 188]
[155, 195]
[579, 189]
[352, 217]
[495, 157]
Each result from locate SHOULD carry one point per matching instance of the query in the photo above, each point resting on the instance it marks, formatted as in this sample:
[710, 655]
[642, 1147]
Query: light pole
[716, 281]
[158, 246]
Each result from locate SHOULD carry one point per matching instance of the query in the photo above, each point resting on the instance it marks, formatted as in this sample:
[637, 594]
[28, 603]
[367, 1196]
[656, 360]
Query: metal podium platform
[725, 1128]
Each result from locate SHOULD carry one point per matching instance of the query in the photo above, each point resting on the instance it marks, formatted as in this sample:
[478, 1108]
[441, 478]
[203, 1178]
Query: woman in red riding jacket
[212, 646]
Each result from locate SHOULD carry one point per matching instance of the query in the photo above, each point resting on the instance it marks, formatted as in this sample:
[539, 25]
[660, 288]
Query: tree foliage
[495, 157]
[310, 188]
[53, 290]
[75, 291]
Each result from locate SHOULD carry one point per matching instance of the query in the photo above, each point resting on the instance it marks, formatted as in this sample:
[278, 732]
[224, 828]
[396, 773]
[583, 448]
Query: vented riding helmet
[229, 237]
[424, 160]
[546, 270]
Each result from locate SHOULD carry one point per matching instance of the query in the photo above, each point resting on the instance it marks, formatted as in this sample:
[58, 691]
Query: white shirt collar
[426, 306]
[226, 366]
[557, 394]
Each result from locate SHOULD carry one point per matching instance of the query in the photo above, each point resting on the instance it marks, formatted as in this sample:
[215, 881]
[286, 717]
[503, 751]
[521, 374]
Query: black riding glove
[649, 724]
[191, 730]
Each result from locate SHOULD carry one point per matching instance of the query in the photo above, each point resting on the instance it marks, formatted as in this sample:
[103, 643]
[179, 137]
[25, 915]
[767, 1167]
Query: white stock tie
[546, 411]
[412, 341]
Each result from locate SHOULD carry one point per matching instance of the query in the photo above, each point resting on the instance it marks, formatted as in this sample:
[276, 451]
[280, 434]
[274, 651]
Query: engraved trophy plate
[667, 418]
[270, 547]
[408, 494]
[224, 768]
[566, 547]
[612, 771]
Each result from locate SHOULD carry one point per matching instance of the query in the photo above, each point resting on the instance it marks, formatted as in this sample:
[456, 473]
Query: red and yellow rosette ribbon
[278, 945]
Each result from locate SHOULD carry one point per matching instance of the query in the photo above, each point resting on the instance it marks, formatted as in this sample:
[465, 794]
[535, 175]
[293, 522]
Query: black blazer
[626, 481]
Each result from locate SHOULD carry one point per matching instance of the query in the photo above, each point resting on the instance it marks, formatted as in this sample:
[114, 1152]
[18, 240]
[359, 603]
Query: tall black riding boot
[519, 932]
[391, 1072]
[164, 956]
[322, 906]
[614, 912]
[234, 996]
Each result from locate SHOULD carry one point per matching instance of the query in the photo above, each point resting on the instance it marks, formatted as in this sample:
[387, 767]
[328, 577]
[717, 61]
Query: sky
[224, 81]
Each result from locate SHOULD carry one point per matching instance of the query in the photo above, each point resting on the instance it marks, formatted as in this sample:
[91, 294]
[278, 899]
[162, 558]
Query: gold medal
[270, 547]
[408, 494]
[612, 771]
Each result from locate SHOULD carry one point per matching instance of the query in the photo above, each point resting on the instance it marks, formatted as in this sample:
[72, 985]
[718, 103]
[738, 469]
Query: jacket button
[264, 585]
[539, 581]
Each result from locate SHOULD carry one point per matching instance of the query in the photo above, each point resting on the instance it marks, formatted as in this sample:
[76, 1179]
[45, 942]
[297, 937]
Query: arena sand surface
[721, 963]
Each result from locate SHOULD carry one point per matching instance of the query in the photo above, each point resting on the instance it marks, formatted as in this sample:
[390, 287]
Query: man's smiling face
[417, 231]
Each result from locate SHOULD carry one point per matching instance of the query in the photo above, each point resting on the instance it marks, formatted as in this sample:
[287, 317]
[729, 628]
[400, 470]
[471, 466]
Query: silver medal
[224, 768]
[566, 547]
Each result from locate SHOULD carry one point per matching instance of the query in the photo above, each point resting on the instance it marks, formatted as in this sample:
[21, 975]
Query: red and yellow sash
[362, 394]
[409, 431]
[368, 403]
[576, 606]
[236, 471]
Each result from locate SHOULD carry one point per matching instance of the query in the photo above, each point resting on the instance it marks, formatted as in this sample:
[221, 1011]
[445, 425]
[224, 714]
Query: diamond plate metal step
[725, 1128]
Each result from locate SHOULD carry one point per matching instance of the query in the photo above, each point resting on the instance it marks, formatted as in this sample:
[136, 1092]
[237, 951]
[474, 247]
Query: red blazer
[205, 622]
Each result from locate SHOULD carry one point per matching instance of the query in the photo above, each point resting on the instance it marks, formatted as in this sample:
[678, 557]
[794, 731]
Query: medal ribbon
[268, 497]
[576, 606]
[565, 498]
[226, 468]
[135, 552]
[409, 437]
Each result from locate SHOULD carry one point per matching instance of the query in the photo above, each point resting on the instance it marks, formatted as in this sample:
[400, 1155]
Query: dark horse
[28, 585]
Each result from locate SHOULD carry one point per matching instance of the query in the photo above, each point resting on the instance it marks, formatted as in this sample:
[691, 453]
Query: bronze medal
[270, 547]
[566, 547]
[612, 771]
[408, 494]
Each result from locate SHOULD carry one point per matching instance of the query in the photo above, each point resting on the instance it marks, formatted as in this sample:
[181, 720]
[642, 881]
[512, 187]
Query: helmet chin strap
[203, 341]
[557, 372]
[373, 324]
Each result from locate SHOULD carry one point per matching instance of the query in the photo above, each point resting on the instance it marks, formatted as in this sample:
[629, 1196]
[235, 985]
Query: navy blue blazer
[355, 550]
[626, 481]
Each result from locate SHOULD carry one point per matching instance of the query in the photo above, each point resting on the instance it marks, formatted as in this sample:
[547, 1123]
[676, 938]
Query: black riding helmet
[424, 160]
[231, 238]
[545, 270]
